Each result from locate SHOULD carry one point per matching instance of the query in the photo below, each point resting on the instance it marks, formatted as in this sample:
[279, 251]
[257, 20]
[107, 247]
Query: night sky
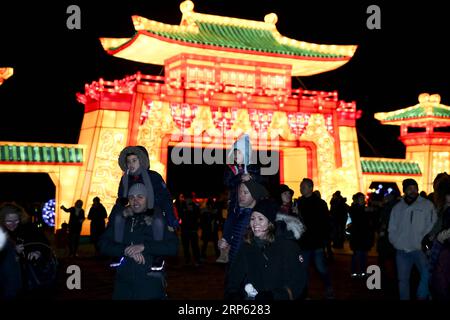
[391, 67]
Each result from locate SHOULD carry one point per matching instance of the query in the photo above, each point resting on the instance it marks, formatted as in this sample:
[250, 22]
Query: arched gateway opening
[206, 179]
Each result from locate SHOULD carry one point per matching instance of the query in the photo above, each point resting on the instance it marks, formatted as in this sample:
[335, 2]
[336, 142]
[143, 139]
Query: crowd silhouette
[246, 228]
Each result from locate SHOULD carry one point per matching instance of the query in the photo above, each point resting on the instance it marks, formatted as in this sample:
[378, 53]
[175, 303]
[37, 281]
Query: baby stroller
[40, 274]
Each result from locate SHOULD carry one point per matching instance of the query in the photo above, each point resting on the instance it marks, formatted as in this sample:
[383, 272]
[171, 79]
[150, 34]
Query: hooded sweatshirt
[244, 146]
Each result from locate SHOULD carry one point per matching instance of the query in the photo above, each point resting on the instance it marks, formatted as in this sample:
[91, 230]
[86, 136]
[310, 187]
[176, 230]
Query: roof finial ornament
[424, 97]
[186, 7]
[271, 18]
[436, 98]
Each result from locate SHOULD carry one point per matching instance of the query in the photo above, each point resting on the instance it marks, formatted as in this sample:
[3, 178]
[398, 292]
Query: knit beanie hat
[138, 189]
[409, 182]
[257, 190]
[268, 208]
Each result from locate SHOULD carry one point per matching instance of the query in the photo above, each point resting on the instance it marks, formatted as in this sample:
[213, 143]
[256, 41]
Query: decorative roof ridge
[389, 166]
[190, 18]
[344, 50]
[144, 24]
[231, 37]
[111, 43]
[395, 160]
[426, 101]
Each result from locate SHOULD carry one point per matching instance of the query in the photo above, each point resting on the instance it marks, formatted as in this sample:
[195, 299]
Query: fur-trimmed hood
[293, 224]
[2, 238]
[140, 152]
[144, 167]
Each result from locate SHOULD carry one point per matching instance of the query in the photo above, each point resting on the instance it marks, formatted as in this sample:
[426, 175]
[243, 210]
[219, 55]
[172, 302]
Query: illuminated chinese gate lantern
[424, 131]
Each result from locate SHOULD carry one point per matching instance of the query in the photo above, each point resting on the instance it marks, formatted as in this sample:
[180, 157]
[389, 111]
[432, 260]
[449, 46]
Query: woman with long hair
[267, 266]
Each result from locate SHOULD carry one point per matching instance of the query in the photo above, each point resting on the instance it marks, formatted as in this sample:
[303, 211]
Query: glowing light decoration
[5, 73]
[329, 124]
[429, 147]
[152, 133]
[223, 118]
[48, 212]
[317, 132]
[203, 122]
[242, 124]
[440, 162]
[298, 122]
[348, 176]
[144, 113]
[260, 119]
[212, 92]
[183, 115]
[105, 171]
[165, 41]
[279, 127]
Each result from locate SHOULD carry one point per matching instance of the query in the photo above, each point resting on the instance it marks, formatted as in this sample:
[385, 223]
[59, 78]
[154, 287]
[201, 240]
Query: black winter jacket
[277, 270]
[133, 280]
[315, 216]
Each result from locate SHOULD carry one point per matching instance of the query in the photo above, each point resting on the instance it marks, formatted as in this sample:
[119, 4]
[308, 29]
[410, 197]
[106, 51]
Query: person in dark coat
[236, 224]
[30, 247]
[209, 224]
[285, 200]
[361, 235]
[267, 267]
[315, 216]
[339, 213]
[97, 215]
[190, 217]
[76, 219]
[386, 252]
[135, 164]
[440, 252]
[10, 270]
[134, 243]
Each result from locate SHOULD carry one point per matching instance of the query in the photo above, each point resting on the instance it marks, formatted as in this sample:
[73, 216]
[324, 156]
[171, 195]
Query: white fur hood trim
[293, 224]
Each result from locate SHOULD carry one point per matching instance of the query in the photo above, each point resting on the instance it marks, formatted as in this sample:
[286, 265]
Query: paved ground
[205, 282]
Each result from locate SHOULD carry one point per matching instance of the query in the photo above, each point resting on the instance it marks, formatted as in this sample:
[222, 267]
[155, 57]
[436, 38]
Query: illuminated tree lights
[48, 212]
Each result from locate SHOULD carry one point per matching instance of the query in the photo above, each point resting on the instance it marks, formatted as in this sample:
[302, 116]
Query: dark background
[391, 67]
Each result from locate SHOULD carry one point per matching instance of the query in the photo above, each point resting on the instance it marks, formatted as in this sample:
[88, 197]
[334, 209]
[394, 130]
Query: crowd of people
[267, 241]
